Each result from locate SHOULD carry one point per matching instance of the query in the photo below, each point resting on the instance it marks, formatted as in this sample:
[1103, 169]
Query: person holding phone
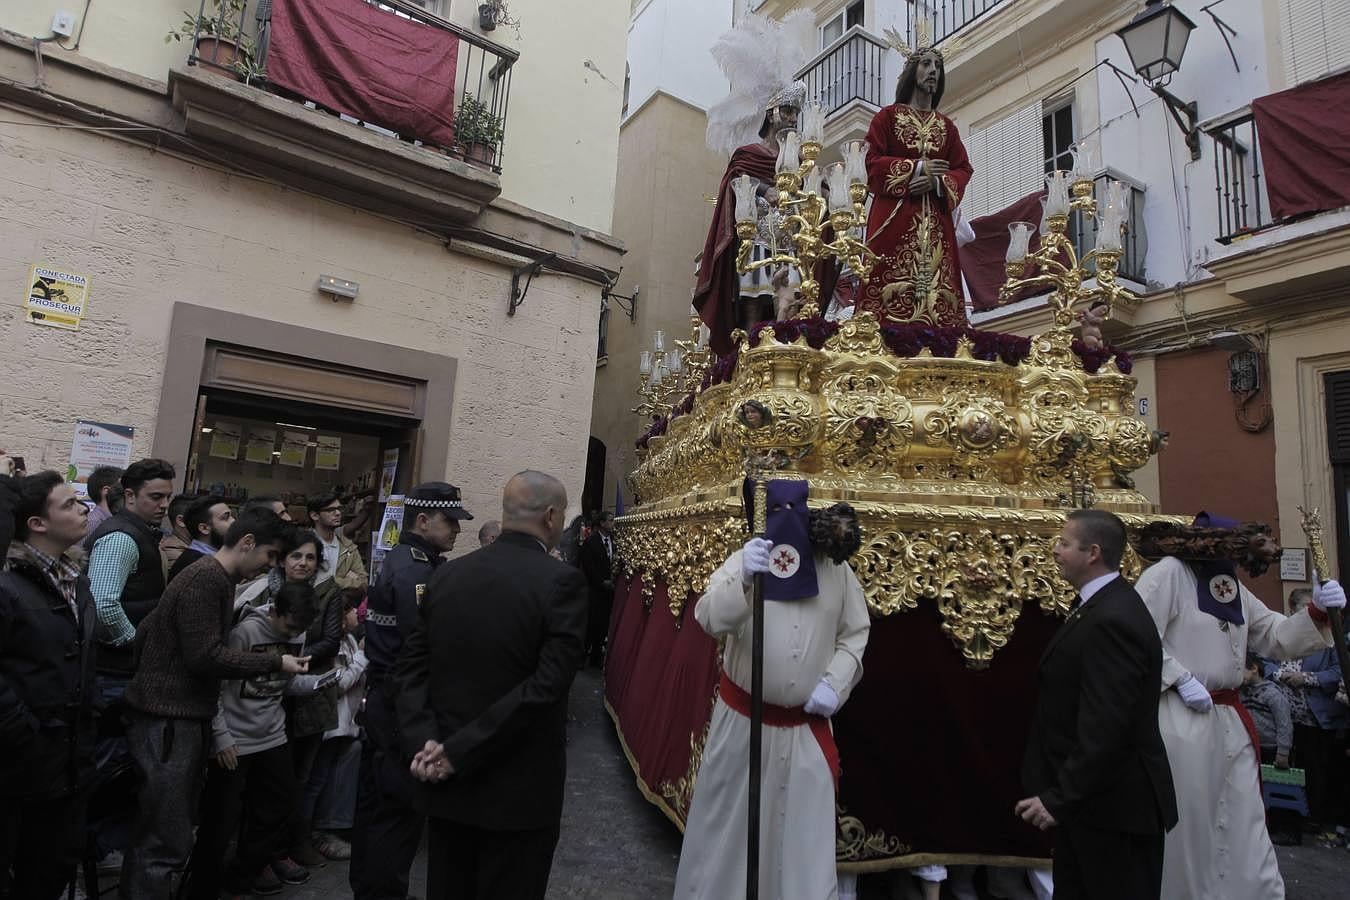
[183, 655]
[252, 757]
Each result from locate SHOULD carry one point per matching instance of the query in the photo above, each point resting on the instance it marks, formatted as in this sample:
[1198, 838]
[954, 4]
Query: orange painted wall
[1211, 462]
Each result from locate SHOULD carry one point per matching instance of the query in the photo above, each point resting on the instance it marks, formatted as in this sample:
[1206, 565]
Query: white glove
[1194, 694]
[1329, 595]
[824, 701]
[755, 558]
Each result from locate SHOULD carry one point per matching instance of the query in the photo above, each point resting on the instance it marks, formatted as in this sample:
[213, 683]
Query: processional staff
[1312, 529]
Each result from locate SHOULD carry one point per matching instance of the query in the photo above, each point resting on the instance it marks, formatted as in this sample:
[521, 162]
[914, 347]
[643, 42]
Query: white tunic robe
[804, 640]
[1220, 849]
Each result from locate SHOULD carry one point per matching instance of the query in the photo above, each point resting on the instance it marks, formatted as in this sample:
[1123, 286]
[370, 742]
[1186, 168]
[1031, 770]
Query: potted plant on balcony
[220, 43]
[478, 130]
[492, 13]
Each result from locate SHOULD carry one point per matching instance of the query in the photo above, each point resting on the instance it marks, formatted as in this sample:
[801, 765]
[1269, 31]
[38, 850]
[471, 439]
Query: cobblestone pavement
[616, 846]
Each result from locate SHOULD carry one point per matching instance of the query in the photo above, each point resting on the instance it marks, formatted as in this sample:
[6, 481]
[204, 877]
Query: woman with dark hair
[308, 717]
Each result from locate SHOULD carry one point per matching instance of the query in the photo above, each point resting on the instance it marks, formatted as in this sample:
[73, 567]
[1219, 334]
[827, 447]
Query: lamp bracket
[1224, 31]
[527, 271]
[627, 302]
[1179, 108]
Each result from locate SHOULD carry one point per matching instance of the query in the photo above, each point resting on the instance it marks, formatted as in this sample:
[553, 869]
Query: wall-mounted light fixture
[626, 303]
[338, 288]
[1156, 40]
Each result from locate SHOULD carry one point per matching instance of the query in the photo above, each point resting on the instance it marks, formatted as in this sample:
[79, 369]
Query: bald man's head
[535, 503]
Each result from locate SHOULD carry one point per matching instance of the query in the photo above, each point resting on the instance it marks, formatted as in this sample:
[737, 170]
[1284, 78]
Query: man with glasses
[343, 560]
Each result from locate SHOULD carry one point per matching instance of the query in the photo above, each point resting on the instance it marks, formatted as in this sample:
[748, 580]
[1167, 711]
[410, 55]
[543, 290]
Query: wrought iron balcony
[1237, 177]
[946, 18]
[1083, 229]
[852, 68]
[482, 80]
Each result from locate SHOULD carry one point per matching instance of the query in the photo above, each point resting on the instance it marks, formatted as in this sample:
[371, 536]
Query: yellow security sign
[56, 298]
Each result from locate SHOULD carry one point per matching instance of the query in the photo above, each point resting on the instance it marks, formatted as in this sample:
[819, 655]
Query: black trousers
[468, 863]
[1315, 753]
[388, 827]
[1092, 864]
[597, 624]
[41, 839]
[261, 794]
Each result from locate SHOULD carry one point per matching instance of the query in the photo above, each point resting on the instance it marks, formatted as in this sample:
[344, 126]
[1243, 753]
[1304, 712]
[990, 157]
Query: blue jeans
[330, 796]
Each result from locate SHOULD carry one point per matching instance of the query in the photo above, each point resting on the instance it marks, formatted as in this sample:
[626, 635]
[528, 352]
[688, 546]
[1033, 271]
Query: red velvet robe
[718, 285]
[917, 277]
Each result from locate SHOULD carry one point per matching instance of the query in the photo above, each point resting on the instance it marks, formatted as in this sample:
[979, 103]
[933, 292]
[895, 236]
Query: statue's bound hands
[921, 183]
[937, 167]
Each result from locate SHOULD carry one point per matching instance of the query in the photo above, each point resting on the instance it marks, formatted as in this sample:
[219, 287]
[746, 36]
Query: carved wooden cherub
[1092, 318]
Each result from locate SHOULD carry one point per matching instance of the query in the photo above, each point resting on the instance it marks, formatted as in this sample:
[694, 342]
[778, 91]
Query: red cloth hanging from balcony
[355, 58]
[982, 260]
[1304, 134]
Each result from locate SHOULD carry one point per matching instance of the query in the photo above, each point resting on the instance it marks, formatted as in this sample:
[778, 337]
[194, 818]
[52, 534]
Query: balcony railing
[946, 18]
[852, 68]
[1083, 230]
[483, 68]
[1237, 178]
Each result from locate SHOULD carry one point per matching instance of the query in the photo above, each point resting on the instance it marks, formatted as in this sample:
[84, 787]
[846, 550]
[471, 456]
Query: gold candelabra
[1056, 263]
[667, 375]
[806, 212]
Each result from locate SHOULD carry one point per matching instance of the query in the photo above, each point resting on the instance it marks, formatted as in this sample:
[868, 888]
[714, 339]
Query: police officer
[388, 827]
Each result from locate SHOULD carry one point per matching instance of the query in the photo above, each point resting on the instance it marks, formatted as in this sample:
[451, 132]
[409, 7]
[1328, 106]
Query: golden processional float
[962, 452]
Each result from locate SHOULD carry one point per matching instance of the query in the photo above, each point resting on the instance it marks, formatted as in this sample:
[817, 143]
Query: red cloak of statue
[717, 288]
[917, 277]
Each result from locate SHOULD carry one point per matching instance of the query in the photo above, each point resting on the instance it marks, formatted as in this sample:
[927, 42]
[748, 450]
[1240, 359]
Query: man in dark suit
[597, 563]
[1095, 763]
[482, 701]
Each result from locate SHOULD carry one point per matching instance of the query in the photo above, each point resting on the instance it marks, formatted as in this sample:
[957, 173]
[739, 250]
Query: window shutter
[1008, 158]
[1338, 416]
[1316, 35]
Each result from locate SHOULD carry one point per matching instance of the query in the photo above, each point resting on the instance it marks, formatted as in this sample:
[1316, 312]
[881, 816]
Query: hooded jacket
[251, 717]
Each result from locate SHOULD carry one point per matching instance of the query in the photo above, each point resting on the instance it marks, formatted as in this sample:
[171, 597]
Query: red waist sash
[1230, 697]
[786, 717]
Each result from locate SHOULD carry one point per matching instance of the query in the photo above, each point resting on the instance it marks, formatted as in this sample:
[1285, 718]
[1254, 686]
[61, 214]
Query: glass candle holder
[1019, 241]
[744, 190]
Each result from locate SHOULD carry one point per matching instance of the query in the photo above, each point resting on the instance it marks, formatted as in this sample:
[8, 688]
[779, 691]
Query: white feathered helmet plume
[760, 57]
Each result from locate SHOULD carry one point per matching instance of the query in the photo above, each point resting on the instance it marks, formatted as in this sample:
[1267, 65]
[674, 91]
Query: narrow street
[617, 846]
[614, 844]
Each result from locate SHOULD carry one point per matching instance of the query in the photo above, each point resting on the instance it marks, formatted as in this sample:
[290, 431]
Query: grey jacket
[1270, 710]
[251, 718]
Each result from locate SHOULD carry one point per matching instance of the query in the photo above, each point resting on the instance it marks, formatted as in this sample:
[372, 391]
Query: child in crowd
[1270, 709]
[330, 796]
[252, 761]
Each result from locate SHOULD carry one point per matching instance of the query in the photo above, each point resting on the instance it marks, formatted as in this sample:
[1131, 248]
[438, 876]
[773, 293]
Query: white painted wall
[1181, 211]
[668, 50]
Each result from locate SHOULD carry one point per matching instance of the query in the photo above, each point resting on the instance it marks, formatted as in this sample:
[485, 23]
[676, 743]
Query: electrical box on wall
[1244, 372]
[63, 23]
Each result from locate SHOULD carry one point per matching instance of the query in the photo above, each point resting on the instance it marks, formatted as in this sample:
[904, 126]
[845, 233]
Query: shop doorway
[246, 446]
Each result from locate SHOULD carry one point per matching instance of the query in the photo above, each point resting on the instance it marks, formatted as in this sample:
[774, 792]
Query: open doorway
[246, 445]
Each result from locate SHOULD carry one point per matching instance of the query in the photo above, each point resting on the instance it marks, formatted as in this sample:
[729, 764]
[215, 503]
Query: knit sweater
[181, 647]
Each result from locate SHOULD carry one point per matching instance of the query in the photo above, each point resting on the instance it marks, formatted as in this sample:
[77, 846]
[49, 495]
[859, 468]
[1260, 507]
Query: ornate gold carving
[680, 793]
[853, 842]
[961, 470]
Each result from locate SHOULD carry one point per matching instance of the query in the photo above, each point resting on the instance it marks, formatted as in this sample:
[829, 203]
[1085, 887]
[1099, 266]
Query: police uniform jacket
[391, 613]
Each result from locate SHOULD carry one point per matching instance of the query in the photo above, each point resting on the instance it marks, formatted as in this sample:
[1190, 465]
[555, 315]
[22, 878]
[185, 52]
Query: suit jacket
[597, 563]
[1095, 756]
[487, 671]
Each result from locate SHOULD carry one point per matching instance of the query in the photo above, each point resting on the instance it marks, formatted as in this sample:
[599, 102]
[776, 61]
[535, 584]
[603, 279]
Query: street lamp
[1155, 40]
